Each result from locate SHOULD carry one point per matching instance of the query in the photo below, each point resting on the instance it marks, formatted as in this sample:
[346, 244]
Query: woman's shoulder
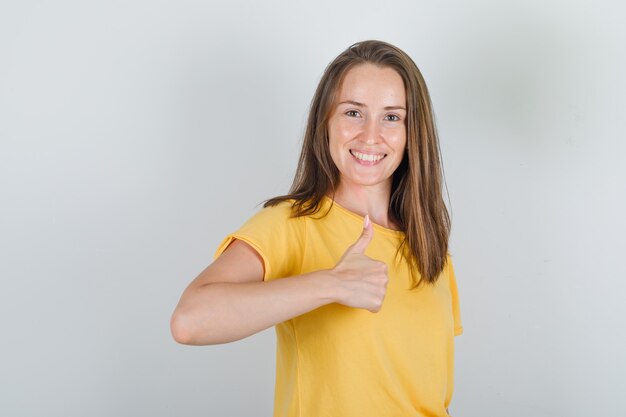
[282, 208]
[277, 215]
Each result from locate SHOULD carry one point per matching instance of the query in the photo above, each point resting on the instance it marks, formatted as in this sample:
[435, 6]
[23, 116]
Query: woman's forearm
[224, 312]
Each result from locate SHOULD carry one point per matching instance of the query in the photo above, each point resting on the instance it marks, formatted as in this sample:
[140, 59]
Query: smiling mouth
[365, 157]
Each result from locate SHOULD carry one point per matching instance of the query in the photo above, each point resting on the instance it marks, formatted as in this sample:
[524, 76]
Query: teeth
[366, 157]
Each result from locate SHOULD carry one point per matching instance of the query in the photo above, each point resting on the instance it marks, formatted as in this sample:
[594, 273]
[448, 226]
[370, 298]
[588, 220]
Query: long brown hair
[416, 202]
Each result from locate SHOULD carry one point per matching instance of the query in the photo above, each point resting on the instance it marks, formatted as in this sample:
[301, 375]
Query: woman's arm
[229, 300]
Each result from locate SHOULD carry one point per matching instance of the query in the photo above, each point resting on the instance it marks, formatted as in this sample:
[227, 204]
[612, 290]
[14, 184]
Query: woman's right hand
[363, 280]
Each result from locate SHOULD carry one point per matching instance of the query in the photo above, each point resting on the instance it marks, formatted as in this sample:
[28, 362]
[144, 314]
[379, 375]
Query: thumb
[366, 237]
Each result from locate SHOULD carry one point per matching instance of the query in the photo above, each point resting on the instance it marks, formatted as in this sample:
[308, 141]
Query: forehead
[372, 83]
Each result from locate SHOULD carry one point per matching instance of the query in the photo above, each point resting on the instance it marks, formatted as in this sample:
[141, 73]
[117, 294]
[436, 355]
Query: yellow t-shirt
[338, 361]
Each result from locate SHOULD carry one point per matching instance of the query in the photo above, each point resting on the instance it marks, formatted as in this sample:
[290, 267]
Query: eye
[392, 118]
[352, 113]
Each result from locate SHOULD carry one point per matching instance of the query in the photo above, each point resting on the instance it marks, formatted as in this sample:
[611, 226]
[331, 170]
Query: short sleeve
[456, 310]
[276, 236]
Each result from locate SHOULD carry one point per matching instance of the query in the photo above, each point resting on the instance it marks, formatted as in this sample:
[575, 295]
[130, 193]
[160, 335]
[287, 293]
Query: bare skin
[229, 300]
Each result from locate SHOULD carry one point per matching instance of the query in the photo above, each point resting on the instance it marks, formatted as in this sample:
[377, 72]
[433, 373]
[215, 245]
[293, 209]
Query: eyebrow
[356, 103]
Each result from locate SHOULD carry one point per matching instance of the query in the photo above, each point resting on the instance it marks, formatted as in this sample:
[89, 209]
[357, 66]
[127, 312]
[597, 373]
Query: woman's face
[367, 129]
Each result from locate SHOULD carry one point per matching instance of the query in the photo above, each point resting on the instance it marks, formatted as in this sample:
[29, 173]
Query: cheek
[338, 137]
[402, 139]
[397, 141]
[343, 130]
[333, 146]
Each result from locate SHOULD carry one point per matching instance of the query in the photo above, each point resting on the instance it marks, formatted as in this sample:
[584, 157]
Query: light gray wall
[135, 135]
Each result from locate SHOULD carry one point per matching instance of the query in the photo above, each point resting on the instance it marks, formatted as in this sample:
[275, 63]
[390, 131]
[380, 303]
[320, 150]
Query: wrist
[325, 285]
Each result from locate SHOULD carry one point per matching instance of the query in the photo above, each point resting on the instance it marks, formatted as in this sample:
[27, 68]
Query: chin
[366, 182]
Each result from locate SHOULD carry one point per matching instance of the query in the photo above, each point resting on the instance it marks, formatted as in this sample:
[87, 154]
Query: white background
[136, 134]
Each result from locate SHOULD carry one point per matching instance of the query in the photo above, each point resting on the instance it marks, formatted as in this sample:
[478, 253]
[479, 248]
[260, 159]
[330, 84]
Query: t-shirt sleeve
[456, 310]
[277, 237]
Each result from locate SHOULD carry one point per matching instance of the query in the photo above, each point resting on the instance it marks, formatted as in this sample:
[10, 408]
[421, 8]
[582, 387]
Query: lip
[368, 163]
[367, 152]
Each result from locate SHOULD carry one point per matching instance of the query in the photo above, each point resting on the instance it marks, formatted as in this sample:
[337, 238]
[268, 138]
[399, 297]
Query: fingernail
[366, 221]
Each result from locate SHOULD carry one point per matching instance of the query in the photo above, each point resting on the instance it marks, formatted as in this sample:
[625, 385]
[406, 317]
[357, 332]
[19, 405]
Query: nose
[371, 132]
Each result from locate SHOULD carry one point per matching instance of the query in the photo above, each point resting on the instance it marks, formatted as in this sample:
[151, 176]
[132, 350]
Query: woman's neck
[373, 201]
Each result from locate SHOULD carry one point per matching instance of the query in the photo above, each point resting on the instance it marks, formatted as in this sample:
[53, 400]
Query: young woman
[352, 266]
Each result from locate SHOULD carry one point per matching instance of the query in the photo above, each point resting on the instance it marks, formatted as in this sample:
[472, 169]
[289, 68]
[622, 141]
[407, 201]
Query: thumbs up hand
[362, 280]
